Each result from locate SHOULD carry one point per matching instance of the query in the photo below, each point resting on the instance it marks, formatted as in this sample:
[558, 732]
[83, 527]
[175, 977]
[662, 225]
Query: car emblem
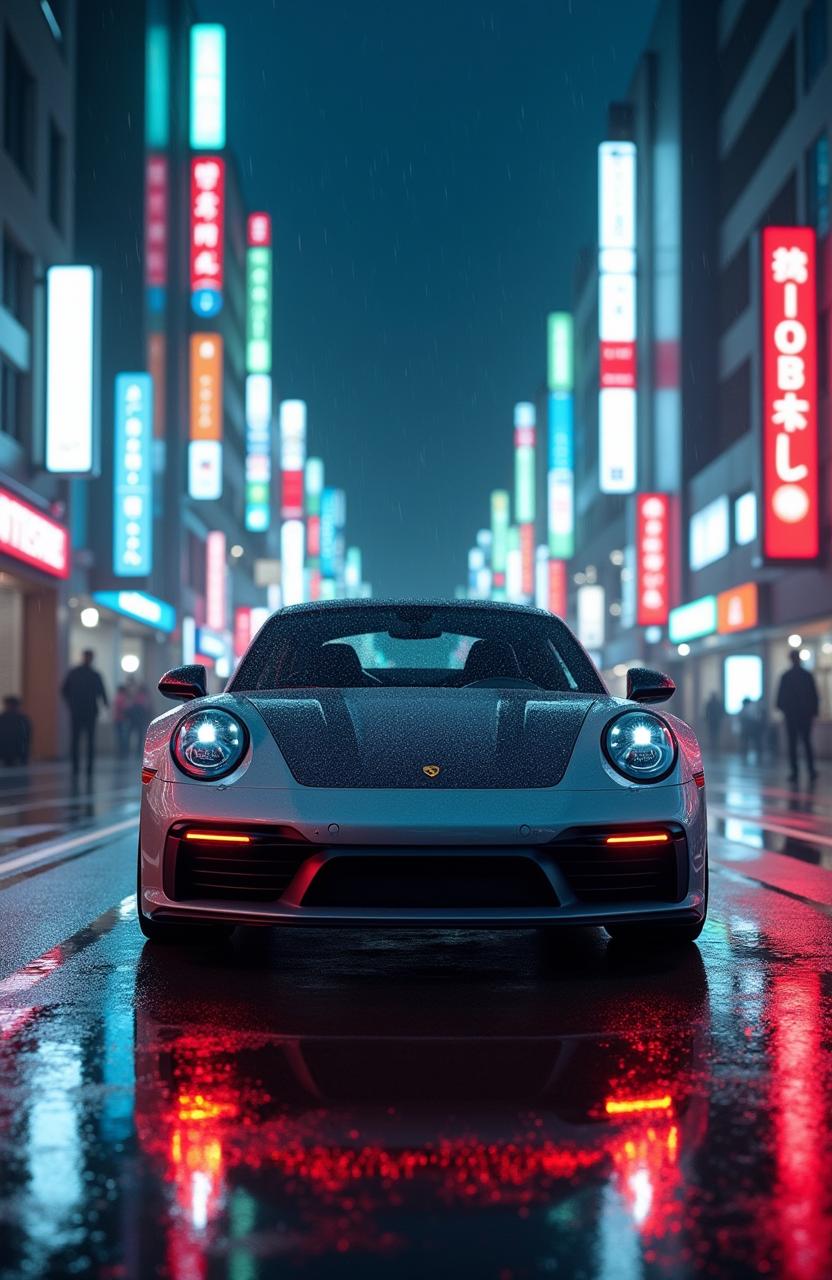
[432, 770]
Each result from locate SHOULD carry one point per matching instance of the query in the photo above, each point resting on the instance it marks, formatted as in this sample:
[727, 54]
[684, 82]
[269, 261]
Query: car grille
[411, 879]
[257, 872]
[598, 872]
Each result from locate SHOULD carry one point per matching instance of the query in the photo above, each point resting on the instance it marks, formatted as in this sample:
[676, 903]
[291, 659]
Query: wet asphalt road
[360, 1104]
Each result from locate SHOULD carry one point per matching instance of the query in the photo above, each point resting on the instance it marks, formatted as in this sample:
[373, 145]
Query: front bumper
[480, 825]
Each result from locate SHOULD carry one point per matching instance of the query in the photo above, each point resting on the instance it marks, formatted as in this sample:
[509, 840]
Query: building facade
[729, 111]
[37, 142]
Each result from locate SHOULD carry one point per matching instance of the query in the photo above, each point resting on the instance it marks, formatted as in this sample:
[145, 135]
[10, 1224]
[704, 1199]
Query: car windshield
[453, 646]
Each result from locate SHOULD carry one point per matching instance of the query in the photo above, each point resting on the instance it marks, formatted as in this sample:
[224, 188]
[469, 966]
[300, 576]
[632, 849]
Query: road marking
[766, 824]
[56, 847]
[13, 1017]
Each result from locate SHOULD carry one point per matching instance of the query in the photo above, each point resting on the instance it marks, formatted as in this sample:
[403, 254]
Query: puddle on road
[517, 1112]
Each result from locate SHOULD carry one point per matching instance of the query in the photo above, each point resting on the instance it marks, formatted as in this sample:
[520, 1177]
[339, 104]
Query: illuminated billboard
[693, 620]
[156, 196]
[28, 535]
[499, 542]
[652, 559]
[258, 451]
[205, 446]
[292, 457]
[560, 479]
[242, 630]
[617, 316]
[156, 81]
[738, 609]
[514, 565]
[790, 513]
[139, 606]
[259, 294]
[133, 475]
[561, 475]
[215, 581]
[330, 520]
[352, 571]
[591, 615]
[72, 370]
[558, 588]
[313, 486]
[291, 559]
[559, 360]
[207, 131]
[207, 234]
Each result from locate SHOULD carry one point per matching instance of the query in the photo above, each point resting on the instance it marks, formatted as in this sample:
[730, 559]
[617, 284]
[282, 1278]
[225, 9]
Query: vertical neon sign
[617, 316]
[790, 408]
[133, 475]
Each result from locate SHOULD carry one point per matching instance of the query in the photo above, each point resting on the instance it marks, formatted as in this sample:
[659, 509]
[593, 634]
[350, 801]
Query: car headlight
[640, 746]
[209, 744]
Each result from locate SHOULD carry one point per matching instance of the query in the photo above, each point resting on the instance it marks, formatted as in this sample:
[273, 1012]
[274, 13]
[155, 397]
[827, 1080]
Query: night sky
[430, 168]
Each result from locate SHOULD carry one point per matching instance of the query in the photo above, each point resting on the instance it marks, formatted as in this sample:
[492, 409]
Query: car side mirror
[183, 683]
[644, 685]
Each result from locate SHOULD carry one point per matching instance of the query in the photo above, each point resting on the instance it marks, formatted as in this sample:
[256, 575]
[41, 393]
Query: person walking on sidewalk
[83, 690]
[797, 698]
[15, 732]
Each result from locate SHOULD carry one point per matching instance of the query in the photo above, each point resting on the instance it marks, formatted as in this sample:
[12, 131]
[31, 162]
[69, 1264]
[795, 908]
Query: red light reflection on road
[204, 1115]
[801, 1127]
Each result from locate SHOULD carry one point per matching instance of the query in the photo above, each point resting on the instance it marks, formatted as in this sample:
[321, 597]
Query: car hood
[387, 737]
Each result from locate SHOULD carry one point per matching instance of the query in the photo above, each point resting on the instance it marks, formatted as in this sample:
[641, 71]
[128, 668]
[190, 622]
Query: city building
[720, 585]
[161, 212]
[37, 162]
[769, 584]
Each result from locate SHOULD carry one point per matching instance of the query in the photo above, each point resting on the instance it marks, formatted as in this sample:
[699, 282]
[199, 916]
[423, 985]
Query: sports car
[421, 764]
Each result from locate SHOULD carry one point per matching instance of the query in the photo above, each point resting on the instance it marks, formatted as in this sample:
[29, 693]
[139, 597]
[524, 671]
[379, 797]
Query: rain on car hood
[385, 737]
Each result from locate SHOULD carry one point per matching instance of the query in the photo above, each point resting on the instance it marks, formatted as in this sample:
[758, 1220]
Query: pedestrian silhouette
[83, 690]
[15, 732]
[797, 698]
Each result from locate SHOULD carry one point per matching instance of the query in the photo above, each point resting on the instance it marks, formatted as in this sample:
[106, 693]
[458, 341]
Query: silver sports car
[410, 764]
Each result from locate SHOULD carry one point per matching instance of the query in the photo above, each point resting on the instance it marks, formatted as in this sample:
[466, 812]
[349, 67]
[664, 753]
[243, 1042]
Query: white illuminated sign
[745, 519]
[591, 616]
[617, 316]
[207, 86]
[215, 579]
[617, 434]
[743, 679]
[72, 371]
[710, 533]
[205, 469]
[617, 183]
[291, 557]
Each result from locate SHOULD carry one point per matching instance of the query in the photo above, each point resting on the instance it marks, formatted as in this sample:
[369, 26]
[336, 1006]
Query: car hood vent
[388, 737]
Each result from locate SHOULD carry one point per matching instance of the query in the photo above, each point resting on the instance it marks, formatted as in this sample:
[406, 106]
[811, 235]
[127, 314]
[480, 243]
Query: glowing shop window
[743, 674]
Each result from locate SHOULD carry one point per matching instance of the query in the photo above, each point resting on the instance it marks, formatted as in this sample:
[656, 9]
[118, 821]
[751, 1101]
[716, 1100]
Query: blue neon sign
[140, 606]
[133, 476]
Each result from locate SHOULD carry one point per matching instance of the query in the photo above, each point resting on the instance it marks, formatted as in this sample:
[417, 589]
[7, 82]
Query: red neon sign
[790, 421]
[558, 595]
[207, 228]
[652, 559]
[292, 495]
[28, 535]
[617, 364]
[259, 230]
[242, 630]
[156, 221]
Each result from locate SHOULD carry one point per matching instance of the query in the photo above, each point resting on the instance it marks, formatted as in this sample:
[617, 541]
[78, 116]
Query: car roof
[373, 602]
